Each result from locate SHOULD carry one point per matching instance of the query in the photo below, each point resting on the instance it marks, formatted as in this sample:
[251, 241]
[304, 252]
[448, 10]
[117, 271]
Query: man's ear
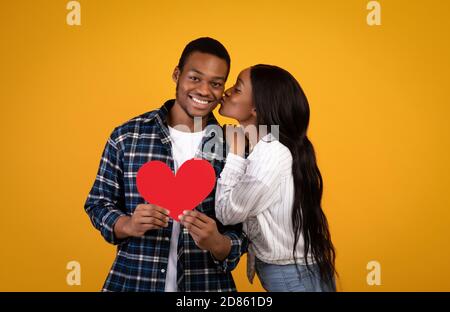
[176, 74]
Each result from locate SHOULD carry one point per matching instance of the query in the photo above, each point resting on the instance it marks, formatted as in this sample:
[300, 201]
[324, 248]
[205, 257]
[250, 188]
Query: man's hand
[205, 234]
[145, 217]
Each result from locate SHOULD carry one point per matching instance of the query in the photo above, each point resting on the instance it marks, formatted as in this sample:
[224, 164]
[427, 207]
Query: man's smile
[200, 101]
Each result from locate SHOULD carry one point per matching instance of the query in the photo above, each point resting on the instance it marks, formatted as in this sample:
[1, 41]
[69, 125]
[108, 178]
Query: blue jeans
[276, 278]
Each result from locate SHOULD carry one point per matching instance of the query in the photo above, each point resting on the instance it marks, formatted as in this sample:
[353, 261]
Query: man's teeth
[199, 101]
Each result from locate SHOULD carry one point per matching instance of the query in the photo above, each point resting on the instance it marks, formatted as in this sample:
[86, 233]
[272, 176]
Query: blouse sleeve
[244, 190]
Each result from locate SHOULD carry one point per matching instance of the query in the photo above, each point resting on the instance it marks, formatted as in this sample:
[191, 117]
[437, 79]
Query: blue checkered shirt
[141, 262]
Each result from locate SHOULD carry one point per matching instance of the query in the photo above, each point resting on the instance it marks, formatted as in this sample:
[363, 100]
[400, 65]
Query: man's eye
[216, 84]
[193, 78]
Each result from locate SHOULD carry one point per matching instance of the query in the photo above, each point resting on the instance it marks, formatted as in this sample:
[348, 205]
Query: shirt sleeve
[105, 202]
[244, 190]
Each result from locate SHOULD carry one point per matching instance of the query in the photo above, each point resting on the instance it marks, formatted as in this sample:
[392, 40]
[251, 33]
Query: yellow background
[379, 101]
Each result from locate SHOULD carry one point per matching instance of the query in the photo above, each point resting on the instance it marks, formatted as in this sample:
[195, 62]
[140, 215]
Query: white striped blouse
[259, 192]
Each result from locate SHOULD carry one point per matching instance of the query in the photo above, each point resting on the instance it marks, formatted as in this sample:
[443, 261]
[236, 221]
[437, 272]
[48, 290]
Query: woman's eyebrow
[239, 80]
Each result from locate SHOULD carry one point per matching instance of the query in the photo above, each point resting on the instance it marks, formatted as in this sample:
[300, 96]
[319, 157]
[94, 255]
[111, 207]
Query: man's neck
[178, 117]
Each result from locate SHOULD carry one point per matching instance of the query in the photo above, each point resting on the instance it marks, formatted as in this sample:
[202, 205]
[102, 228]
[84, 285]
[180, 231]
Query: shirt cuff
[108, 223]
[238, 247]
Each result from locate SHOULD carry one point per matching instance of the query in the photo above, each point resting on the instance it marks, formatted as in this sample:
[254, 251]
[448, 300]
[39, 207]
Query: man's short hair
[205, 45]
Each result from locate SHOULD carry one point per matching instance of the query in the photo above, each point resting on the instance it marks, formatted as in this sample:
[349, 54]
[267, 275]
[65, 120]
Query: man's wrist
[222, 248]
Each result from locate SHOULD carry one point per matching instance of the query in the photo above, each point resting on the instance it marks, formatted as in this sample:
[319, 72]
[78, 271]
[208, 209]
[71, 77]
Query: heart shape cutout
[193, 182]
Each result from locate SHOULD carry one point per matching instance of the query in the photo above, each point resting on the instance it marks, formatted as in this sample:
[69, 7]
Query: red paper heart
[193, 182]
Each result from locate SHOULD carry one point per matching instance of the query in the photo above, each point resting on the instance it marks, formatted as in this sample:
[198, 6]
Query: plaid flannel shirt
[141, 262]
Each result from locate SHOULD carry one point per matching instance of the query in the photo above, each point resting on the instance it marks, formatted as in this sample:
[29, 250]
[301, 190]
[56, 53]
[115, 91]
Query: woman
[276, 192]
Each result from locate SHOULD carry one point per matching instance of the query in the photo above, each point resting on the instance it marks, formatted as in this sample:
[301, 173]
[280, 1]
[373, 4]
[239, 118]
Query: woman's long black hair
[280, 100]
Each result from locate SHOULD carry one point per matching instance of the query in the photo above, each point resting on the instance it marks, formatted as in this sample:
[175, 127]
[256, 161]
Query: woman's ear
[254, 111]
[176, 74]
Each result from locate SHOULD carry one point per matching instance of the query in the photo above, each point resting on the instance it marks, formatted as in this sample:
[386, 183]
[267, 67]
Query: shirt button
[163, 270]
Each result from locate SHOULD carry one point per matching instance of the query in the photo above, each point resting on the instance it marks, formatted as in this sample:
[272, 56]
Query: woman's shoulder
[271, 147]
[271, 154]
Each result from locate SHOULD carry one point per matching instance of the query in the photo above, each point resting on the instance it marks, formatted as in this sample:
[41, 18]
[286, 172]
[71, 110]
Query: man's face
[200, 84]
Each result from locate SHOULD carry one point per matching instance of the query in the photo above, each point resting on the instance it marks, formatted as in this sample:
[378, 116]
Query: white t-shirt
[184, 147]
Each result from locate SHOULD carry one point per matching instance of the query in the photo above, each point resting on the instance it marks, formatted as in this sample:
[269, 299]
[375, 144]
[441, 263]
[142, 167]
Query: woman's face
[237, 102]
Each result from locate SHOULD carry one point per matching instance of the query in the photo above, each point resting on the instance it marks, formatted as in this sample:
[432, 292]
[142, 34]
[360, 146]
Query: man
[156, 253]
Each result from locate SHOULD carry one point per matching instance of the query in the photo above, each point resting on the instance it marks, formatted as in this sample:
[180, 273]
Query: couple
[268, 203]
